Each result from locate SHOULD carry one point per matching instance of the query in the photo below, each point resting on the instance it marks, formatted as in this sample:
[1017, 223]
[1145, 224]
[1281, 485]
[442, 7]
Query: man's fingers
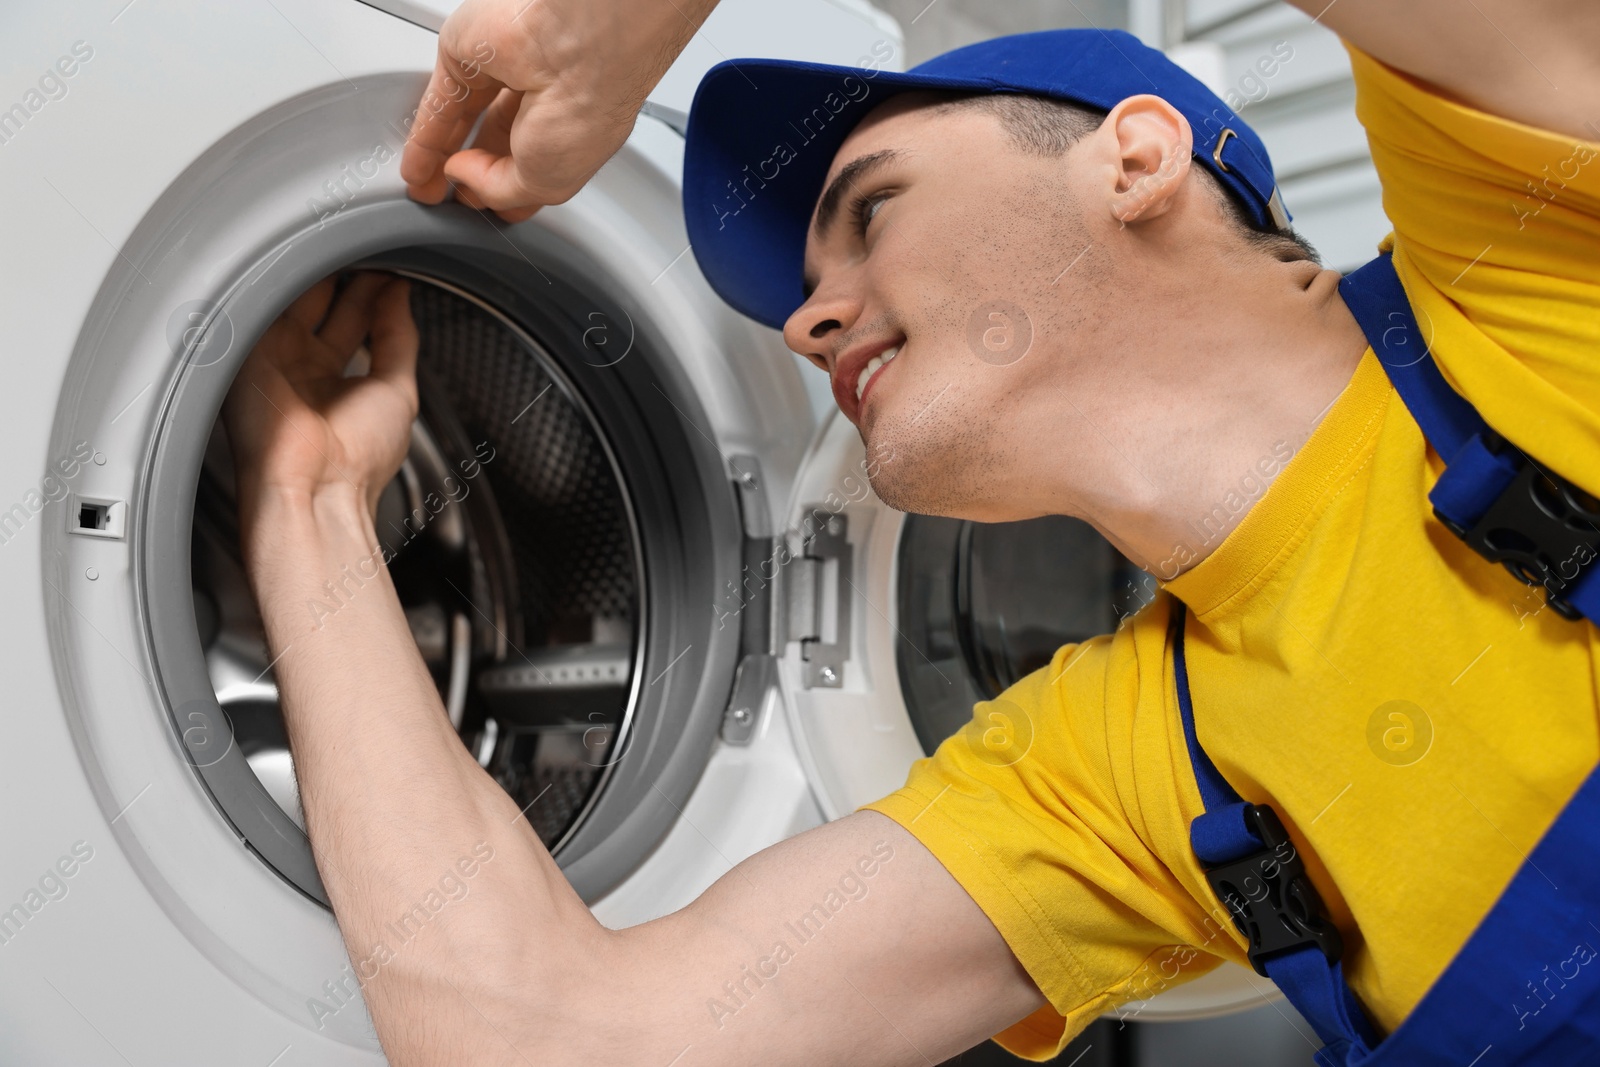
[347, 325]
[311, 306]
[261, 397]
[521, 214]
[487, 180]
[437, 188]
[394, 339]
[545, 166]
[448, 109]
[486, 174]
[494, 135]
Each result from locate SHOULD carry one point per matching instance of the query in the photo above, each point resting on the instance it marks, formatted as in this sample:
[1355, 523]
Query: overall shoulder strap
[1547, 532]
[1257, 874]
[1544, 529]
[1524, 991]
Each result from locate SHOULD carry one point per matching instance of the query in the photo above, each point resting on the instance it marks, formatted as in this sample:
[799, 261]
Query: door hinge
[816, 591]
[752, 602]
[755, 676]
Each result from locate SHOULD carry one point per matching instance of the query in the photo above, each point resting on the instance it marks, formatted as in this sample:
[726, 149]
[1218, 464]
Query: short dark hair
[1044, 126]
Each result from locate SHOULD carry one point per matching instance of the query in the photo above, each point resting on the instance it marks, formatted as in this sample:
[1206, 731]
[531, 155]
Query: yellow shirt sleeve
[1028, 807]
[1497, 242]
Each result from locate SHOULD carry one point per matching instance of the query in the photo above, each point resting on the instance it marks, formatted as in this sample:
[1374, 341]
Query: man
[1179, 343]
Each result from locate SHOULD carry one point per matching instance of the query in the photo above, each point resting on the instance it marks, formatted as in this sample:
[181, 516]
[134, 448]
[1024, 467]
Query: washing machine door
[566, 519]
[890, 627]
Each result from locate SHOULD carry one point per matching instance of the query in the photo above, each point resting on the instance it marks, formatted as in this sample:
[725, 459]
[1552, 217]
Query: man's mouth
[870, 371]
[856, 369]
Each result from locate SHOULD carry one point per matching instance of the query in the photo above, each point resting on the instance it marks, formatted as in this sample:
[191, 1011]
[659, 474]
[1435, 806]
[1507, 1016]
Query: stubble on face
[959, 424]
[942, 440]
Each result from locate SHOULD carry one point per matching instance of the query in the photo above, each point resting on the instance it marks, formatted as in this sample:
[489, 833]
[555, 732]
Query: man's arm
[511, 967]
[1535, 62]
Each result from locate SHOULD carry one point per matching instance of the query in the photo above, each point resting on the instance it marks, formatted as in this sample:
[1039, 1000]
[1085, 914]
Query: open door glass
[981, 605]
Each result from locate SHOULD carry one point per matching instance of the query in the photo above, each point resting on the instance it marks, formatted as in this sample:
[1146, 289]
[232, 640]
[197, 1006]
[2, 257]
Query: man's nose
[811, 330]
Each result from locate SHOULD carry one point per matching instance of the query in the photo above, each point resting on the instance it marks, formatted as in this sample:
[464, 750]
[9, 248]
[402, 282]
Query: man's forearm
[397, 810]
[514, 970]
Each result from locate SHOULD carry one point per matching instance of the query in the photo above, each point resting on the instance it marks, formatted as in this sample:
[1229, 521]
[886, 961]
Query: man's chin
[915, 497]
[913, 469]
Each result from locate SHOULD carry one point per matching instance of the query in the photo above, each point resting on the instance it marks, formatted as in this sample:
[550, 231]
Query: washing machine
[642, 561]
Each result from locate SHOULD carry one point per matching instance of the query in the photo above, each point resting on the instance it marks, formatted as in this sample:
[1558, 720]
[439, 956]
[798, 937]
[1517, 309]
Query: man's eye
[865, 208]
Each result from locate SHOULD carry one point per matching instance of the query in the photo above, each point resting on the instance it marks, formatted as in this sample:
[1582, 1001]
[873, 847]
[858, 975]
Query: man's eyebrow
[856, 170]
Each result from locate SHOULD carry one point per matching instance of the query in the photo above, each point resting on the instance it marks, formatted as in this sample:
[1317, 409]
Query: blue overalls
[1525, 988]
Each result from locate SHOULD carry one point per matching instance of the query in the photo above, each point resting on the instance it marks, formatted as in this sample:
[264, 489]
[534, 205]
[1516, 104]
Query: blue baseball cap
[762, 135]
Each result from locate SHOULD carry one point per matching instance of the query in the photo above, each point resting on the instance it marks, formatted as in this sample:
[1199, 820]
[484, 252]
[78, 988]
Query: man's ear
[1154, 145]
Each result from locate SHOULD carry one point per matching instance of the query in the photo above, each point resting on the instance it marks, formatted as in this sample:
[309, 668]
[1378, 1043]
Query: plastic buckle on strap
[1273, 903]
[1541, 527]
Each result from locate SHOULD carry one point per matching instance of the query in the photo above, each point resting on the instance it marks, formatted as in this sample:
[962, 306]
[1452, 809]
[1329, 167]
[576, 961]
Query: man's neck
[1185, 454]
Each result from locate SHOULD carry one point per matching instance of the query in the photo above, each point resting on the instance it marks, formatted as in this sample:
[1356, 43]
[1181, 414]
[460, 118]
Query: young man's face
[969, 262]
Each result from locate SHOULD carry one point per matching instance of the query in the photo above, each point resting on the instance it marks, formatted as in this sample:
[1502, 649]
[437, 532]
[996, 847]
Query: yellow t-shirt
[1414, 713]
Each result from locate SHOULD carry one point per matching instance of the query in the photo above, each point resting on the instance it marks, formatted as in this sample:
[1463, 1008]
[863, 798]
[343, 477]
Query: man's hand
[297, 426]
[558, 83]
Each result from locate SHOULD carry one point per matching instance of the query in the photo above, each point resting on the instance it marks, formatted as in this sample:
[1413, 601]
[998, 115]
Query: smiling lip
[848, 371]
